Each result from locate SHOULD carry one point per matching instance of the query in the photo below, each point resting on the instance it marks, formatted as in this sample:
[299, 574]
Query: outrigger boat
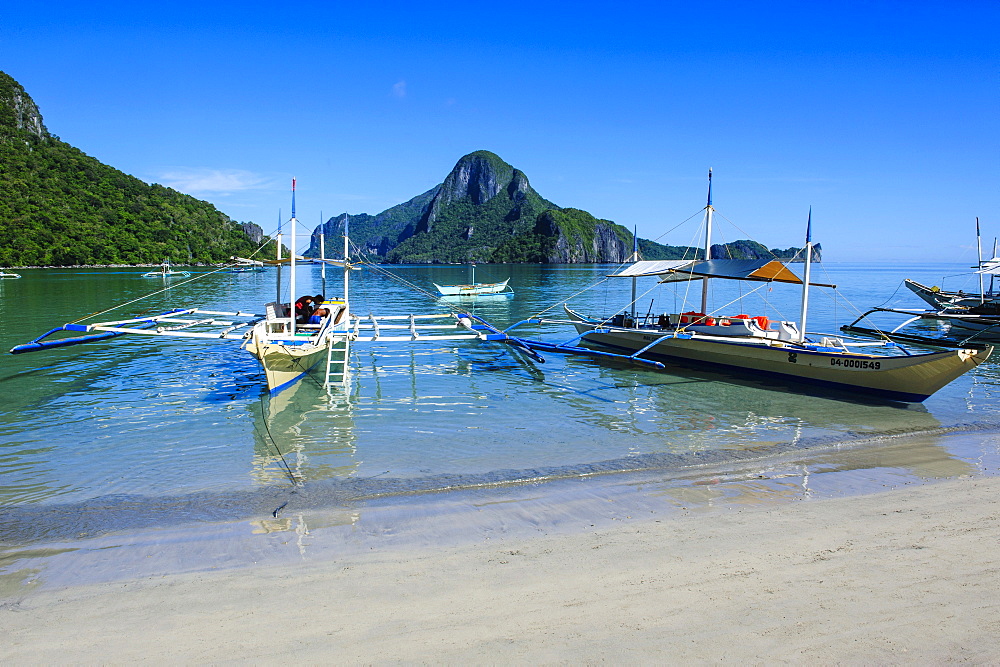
[986, 300]
[244, 265]
[4, 274]
[757, 346]
[963, 327]
[474, 288]
[286, 349]
[938, 298]
[167, 272]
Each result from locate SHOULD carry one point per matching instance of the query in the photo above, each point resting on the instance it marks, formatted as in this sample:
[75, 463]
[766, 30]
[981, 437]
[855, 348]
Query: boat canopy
[990, 267]
[761, 270]
[657, 267]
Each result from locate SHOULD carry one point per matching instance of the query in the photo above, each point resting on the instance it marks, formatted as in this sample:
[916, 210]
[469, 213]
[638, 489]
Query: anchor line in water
[295, 480]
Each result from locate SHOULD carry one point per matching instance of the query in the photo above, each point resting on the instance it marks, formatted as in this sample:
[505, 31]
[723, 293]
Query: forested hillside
[61, 207]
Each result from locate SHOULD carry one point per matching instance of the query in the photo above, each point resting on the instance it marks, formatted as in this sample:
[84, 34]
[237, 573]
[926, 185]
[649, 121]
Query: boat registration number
[856, 363]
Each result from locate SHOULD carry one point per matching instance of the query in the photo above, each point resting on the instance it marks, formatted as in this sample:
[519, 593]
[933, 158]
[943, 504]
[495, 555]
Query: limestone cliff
[578, 237]
[485, 210]
[17, 109]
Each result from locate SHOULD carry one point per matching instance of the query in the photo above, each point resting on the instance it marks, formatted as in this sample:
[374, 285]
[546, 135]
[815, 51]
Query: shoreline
[872, 460]
[119, 266]
[842, 559]
[890, 577]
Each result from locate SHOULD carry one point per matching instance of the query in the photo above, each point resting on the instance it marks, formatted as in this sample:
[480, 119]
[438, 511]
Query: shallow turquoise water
[154, 424]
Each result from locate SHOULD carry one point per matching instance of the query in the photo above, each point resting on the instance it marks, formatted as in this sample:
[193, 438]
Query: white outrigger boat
[166, 271]
[287, 350]
[937, 298]
[244, 265]
[757, 346]
[473, 288]
[986, 301]
[963, 327]
[5, 275]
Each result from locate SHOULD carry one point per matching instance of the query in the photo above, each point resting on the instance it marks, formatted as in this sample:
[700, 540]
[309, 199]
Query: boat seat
[274, 310]
[692, 317]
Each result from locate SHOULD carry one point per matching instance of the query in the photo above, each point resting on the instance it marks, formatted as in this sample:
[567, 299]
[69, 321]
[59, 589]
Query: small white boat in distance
[474, 288]
[244, 265]
[166, 272]
[4, 274]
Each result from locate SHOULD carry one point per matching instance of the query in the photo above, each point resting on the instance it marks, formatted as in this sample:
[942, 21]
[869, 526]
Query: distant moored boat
[474, 288]
[166, 272]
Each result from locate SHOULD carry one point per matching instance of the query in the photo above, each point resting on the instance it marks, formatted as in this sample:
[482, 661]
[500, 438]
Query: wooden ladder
[337, 355]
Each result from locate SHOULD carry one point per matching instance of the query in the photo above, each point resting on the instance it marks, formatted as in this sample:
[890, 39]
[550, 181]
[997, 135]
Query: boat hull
[472, 290]
[938, 298]
[286, 362]
[897, 378]
[984, 328]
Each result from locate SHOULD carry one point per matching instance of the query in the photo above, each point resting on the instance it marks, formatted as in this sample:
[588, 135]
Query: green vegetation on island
[61, 207]
[486, 211]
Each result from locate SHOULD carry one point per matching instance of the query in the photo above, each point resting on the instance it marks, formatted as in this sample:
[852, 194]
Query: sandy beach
[907, 575]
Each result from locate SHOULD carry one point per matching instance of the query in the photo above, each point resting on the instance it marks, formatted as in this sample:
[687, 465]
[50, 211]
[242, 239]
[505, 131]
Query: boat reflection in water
[305, 432]
[835, 472]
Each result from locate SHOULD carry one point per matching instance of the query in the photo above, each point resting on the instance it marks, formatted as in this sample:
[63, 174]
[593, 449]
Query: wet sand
[910, 574]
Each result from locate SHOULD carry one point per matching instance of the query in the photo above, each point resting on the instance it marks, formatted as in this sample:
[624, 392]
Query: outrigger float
[964, 327]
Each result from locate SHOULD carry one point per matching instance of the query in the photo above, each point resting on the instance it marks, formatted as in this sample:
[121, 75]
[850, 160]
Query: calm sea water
[144, 424]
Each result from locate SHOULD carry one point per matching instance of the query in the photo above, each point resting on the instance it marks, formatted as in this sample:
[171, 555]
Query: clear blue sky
[882, 116]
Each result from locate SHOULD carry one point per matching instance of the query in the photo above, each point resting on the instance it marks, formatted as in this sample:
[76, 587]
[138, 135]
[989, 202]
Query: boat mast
[994, 255]
[347, 268]
[277, 299]
[979, 249]
[322, 252]
[708, 242]
[635, 258]
[805, 282]
[291, 272]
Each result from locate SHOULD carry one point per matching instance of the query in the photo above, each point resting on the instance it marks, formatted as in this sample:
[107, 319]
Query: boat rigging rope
[197, 276]
[539, 314]
[402, 281]
[699, 212]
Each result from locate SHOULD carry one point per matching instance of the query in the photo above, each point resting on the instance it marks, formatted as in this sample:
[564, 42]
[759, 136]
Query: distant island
[485, 211]
[61, 207]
